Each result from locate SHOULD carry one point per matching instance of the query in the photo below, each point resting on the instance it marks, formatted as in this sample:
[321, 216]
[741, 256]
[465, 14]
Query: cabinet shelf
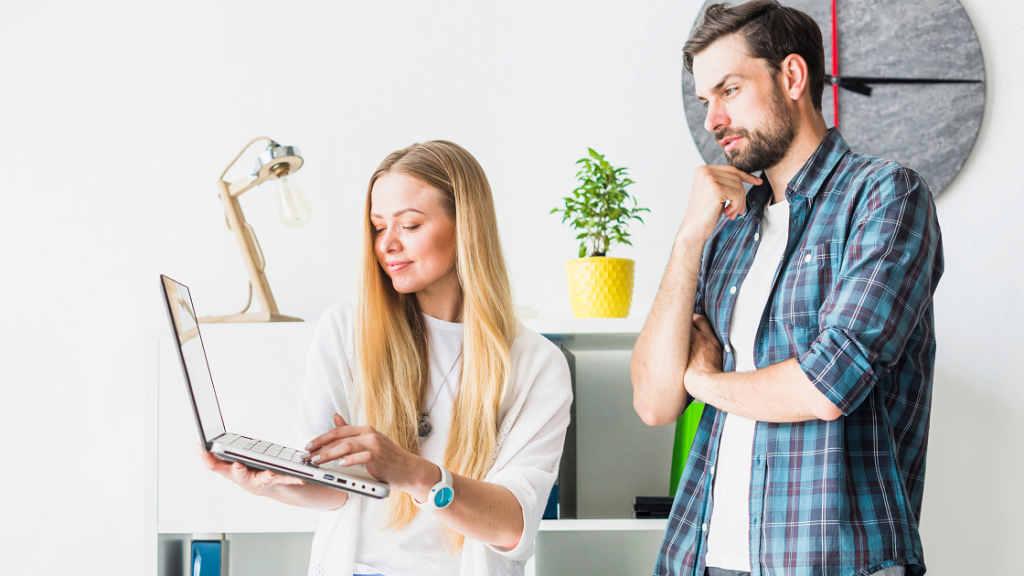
[603, 525]
[585, 334]
[589, 525]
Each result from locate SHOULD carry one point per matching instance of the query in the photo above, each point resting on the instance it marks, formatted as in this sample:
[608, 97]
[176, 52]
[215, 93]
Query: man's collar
[812, 177]
[809, 180]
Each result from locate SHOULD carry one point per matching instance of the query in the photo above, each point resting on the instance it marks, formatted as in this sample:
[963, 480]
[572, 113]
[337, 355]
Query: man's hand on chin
[705, 357]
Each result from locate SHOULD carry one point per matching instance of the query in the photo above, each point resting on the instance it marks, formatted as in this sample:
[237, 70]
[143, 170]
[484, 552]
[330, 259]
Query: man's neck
[808, 138]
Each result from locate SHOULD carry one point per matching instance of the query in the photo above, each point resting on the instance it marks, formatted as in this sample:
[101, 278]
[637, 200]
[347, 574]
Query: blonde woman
[428, 379]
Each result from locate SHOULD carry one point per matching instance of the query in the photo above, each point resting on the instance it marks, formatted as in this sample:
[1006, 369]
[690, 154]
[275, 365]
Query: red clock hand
[835, 66]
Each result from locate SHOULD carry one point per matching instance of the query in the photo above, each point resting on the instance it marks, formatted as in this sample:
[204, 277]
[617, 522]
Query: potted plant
[600, 287]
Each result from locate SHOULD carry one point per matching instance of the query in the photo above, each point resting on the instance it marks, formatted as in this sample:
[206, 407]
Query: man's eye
[704, 103]
[730, 91]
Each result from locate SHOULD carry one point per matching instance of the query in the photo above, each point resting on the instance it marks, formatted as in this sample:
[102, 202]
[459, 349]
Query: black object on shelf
[652, 506]
[566, 494]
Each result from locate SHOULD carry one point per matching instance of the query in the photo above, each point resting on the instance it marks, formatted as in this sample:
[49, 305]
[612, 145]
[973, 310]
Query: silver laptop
[234, 447]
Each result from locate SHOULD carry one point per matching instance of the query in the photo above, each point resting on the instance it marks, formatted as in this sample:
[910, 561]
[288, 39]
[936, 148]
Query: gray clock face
[930, 125]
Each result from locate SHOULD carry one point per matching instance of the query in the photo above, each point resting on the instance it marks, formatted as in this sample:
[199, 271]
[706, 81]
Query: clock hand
[859, 84]
[835, 67]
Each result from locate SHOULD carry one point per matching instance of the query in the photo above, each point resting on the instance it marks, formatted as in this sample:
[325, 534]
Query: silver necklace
[423, 428]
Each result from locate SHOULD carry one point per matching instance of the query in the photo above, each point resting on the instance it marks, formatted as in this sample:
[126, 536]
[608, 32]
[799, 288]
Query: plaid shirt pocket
[806, 283]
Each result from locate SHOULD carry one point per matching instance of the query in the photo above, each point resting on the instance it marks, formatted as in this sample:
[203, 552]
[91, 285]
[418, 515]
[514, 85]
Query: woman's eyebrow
[399, 213]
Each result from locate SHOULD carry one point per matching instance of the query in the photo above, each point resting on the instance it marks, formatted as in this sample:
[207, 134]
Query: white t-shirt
[729, 528]
[419, 547]
[531, 432]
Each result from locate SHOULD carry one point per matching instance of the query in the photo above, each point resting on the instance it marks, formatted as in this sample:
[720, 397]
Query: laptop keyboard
[272, 450]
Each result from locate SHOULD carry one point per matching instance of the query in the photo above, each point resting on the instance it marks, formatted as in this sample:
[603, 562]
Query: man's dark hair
[772, 32]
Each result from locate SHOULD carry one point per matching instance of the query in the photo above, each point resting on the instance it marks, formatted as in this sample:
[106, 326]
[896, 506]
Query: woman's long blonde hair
[391, 334]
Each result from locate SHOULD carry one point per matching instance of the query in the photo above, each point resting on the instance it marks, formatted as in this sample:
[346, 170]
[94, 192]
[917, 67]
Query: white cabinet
[257, 370]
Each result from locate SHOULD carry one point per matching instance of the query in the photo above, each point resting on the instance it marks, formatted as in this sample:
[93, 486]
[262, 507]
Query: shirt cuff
[839, 369]
[525, 491]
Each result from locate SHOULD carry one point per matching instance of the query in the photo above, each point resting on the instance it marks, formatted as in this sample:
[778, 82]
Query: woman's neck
[442, 299]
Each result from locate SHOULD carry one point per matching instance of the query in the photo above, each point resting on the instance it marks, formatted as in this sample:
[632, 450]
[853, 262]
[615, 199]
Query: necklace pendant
[423, 428]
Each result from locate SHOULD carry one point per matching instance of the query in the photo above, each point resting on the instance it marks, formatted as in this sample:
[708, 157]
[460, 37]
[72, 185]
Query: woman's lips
[396, 266]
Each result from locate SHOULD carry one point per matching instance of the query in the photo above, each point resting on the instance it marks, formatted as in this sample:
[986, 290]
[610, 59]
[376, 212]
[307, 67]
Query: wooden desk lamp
[275, 163]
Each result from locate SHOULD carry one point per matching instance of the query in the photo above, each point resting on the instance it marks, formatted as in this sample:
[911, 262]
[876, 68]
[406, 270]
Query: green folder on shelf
[686, 429]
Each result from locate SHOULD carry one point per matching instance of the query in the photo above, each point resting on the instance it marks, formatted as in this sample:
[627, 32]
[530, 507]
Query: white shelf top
[589, 333]
[591, 525]
[236, 527]
[603, 525]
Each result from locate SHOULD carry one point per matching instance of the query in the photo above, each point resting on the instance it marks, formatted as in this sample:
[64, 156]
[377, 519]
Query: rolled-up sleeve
[527, 462]
[891, 263]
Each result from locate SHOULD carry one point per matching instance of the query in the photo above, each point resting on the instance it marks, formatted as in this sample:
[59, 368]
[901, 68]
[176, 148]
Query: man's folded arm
[893, 259]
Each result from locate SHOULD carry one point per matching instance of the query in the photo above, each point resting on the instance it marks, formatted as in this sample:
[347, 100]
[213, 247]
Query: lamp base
[251, 317]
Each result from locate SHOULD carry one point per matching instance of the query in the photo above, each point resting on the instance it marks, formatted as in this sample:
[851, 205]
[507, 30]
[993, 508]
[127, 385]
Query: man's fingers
[734, 197]
[730, 169]
[749, 178]
[744, 176]
[701, 323]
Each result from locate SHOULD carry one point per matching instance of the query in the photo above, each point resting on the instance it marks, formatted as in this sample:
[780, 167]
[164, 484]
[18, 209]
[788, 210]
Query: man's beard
[765, 147]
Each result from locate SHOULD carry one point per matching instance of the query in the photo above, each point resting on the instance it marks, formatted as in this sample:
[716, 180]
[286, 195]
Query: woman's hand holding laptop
[280, 487]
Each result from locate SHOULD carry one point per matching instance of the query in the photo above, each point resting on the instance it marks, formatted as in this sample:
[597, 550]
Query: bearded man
[801, 313]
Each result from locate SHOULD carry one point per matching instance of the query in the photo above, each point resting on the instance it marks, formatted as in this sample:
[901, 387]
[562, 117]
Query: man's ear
[794, 76]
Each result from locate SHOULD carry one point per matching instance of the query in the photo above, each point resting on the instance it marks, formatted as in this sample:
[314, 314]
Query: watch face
[443, 497]
[906, 82]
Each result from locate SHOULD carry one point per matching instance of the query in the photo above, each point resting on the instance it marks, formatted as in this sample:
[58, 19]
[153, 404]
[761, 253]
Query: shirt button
[733, 289]
[712, 469]
[726, 348]
[807, 258]
[757, 236]
[704, 527]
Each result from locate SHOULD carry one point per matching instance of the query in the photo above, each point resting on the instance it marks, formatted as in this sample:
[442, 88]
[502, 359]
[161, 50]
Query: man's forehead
[726, 56]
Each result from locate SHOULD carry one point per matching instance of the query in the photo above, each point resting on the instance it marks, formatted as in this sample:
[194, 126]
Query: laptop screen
[193, 358]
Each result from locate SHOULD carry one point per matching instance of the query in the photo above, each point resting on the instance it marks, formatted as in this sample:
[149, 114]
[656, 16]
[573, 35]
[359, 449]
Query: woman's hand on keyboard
[382, 458]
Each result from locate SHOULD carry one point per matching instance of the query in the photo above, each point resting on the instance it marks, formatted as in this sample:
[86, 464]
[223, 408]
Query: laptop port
[328, 477]
[342, 480]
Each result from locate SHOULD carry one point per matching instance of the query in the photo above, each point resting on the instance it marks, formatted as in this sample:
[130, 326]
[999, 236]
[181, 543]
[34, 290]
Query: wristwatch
[440, 496]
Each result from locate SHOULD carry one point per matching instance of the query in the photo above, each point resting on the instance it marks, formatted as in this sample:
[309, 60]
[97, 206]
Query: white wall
[115, 118]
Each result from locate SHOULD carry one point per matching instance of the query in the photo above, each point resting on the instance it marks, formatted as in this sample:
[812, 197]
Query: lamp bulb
[292, 207]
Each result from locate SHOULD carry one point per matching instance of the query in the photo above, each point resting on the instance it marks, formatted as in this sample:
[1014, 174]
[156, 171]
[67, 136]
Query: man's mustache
[728, 133]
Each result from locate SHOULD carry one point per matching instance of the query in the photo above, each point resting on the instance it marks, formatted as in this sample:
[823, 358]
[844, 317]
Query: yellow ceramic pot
[600, 287]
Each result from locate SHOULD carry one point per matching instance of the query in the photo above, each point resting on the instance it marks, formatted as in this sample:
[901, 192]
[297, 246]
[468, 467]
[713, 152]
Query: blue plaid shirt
[852, 301]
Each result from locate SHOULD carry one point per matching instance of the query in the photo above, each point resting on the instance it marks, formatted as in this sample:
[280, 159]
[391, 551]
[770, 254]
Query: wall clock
[907, 82]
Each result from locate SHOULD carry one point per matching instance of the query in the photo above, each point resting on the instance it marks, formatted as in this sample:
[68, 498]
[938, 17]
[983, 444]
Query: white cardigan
[533, 420]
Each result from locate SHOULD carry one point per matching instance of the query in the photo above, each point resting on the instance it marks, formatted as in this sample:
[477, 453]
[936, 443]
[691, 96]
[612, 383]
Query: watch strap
[440, 495]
